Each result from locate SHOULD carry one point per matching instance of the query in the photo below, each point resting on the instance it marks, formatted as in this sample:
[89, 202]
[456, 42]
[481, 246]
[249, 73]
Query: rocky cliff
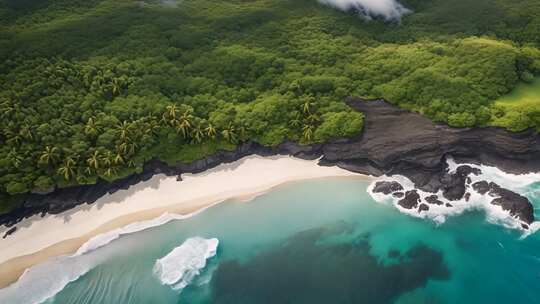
[394, 141]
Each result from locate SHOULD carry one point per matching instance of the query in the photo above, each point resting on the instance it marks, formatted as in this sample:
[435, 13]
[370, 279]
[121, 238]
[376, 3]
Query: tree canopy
[95, 88]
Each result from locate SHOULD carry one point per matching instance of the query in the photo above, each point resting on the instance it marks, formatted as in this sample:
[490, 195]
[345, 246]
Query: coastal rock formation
[411, 200]
[398, 194]
[386, 188]
[423, 207]
[9, 232]
[454, 185]
[518, 205]
[394, 141]
[434, 200]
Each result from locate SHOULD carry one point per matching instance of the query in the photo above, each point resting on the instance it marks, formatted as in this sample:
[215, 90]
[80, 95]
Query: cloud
[388, 9]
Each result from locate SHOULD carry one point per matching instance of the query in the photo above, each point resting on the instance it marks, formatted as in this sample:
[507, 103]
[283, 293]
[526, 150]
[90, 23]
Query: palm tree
[172, 110]
[91, 127]
[313, 118]
[131, 163]
[229, 133]
[118, 159]
[122, 148]
[67, 170]
[110, 171]
[124, 129]
[308, 104]
[107, 159]
[210, 131]
[308, 132]
[296, 121]
[94, 160]
[49, 156]
[197, 134]
[116, 87]
[151, 127]
[184, 123]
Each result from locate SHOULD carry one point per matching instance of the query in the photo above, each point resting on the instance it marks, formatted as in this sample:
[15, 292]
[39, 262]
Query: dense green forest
[94, 88]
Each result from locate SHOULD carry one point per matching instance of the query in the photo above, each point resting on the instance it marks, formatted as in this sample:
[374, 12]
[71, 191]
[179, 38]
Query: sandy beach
[38, 239]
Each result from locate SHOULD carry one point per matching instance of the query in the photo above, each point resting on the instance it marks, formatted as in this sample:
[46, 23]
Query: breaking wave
[525, 184]
[185, 262]
[45, 280]
[105, 238]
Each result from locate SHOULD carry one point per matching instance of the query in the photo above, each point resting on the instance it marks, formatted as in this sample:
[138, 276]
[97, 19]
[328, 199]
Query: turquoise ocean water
[319, 241]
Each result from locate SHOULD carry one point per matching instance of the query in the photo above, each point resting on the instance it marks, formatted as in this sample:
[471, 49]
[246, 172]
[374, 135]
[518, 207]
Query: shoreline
[394, 142]
[149, 200]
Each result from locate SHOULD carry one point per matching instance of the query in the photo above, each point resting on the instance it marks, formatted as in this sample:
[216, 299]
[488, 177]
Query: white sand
[248, 176]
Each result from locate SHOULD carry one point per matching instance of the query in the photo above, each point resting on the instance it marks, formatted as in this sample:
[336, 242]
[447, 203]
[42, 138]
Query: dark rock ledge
[518, 205]
[394, 141]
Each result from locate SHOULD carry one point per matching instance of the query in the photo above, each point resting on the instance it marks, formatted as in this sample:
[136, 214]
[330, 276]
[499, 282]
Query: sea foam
[45, 280]
[522, 184]
[185, 262]
[107, 237]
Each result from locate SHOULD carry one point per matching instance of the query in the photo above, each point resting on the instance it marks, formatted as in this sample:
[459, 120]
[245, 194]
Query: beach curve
[38, 239]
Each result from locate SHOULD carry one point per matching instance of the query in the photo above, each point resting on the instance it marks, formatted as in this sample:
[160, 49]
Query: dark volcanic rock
[394, 141]
[467, 196]
[449, 205]
[454, 185]
[423, 207]
[411, 200]
[434, 200]
[481, 187]
[9, 232]
[398, 194]
[387, 187]
[518, 206]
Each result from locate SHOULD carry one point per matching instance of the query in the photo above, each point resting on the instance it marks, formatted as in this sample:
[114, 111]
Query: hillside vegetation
[94, 88]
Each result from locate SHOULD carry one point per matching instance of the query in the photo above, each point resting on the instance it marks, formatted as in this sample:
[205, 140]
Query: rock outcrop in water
[386, 188]
[518, 205]
[394, 141]
[411, 200]
[454, 186]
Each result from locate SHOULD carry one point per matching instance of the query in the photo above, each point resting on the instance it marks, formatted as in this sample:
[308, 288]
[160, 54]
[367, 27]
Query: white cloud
[388, 9]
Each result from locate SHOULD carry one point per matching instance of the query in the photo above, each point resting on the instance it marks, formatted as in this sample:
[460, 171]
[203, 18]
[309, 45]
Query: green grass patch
[520, 109]
[524, 95]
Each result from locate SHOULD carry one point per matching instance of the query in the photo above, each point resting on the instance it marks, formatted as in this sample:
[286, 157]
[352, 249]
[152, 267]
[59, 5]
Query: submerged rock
[386, 188]
[411, 200]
